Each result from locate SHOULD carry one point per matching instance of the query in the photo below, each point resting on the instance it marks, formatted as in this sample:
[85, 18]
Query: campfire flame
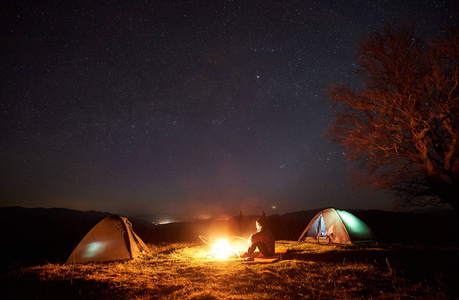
[222, 249]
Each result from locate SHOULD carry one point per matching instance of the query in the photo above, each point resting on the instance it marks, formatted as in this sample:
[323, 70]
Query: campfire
[224, 248]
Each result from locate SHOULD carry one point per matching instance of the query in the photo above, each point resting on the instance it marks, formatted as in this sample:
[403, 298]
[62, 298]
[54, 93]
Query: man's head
[260, 224]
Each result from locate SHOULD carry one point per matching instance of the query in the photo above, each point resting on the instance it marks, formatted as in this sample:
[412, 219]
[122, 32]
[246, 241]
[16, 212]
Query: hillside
[41, 235]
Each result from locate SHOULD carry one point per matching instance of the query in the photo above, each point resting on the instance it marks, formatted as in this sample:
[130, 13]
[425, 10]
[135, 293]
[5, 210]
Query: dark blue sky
[198, 108]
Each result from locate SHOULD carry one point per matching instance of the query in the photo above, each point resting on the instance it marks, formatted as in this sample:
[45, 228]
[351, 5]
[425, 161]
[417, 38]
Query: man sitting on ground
[263, 239]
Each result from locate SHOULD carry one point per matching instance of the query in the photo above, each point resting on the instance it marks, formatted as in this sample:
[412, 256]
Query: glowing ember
[222, 249]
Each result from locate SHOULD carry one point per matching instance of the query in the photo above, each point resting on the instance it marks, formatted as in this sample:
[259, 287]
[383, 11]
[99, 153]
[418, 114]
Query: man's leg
[250, 250]
[263, 249]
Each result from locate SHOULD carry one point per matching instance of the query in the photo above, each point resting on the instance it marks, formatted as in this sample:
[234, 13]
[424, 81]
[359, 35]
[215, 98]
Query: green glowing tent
[111, 239]
[335, 226]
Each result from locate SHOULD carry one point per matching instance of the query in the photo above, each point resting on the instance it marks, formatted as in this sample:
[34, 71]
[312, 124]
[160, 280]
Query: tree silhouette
[240, 218]
[400, 126]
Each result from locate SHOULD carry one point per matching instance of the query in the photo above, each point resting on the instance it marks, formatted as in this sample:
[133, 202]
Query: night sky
[196, 108]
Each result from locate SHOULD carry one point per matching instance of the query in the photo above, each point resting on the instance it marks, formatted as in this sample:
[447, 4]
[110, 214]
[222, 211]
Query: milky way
[193, 107]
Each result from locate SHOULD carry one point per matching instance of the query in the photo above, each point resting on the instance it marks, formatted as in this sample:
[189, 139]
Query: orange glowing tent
[109, 240]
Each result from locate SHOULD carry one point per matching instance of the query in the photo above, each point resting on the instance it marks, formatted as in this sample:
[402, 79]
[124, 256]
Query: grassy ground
[309, 271]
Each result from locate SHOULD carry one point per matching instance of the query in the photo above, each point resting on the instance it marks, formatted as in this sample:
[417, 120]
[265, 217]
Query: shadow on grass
[435, 266]
[29, 287]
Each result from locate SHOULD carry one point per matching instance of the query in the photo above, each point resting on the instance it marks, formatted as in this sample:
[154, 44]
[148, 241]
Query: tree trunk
[449, 193]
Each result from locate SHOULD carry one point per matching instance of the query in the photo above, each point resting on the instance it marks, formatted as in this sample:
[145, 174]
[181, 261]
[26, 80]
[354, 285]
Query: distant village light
[163, 222]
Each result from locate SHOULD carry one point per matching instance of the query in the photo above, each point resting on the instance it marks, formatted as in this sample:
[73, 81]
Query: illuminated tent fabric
[111, 239]
[335, 226]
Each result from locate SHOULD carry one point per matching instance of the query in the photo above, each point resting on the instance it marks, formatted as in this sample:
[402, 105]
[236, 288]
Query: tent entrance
[321, 230]
[322, 236]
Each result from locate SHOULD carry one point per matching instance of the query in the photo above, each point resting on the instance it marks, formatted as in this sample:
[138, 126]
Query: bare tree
[401, 125]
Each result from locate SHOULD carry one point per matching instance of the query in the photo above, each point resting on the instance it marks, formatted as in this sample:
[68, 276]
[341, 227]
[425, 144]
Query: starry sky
[195, 108]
